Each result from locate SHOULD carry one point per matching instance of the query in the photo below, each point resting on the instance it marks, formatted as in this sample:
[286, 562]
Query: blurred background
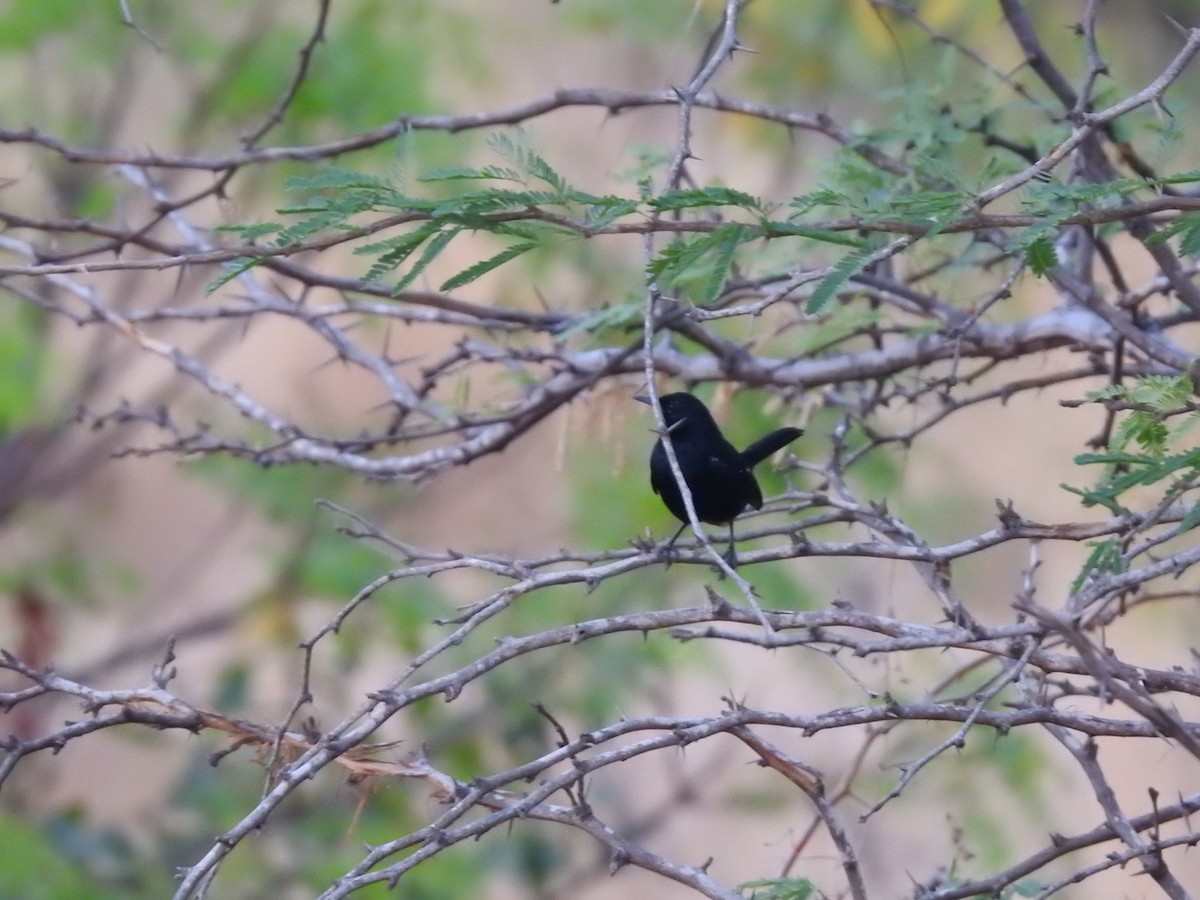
[106, 553]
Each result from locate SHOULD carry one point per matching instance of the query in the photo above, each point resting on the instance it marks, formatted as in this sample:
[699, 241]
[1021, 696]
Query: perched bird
[718, 476]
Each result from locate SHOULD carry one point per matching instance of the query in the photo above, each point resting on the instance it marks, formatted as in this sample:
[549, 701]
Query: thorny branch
[890, 337]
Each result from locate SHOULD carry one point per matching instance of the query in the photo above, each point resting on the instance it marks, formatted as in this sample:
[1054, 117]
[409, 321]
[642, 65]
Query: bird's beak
[642, 398]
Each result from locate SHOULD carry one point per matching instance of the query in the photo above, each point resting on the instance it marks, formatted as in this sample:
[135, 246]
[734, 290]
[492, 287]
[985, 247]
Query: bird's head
[683, 412]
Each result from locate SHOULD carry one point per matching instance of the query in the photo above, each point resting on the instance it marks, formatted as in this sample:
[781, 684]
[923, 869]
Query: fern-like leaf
[845, 269]
[469, 274]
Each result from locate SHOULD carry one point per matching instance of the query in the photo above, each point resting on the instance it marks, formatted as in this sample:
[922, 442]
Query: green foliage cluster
[1142, 462]
[541, 208]
[527, 205]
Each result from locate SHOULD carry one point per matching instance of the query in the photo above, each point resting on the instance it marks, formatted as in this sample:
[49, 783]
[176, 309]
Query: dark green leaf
[395, 251]
[1041, 256]
[469, 274]
[679, 256]
[1097, 498]
[607, 210]
[529, 161]
[722, 261]
[474, 206]
[432, 249]
[694, 198]
[709, 256]
[1192, 519]
[1168, 231]
[1189, 238]
[782, 229]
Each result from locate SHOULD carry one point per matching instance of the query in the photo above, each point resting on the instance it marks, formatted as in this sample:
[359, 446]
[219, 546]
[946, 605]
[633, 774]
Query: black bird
[718, 476]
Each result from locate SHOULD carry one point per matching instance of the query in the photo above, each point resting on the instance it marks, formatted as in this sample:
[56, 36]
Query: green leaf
[527, 231]
[474, 206]
[1041, 256]
[529, 161]
[336, 178]
[1135, 470]
[469, 274]
[1097, 498]
[1167, 396]
[823, 198]
[1140, 461]
[232, 270]
[395, 250]
[620, 316]
[710, 255]
[845, 269]
[1187, 227]
[1105, 559]
[1162, 391]
[606, 210]
[542, 170]
[780, 889]
[250, 232]
[432, 249]
[679, 256]
[1192, 519]
[722, 261]
[938, 207]
[1182, 178]
[333, 217]
[461, 173]
[789, 229]
[1189, 238]
[694, 198]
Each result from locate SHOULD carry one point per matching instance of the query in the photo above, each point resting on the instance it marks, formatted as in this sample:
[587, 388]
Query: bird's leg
[668, 549]
[730, 555]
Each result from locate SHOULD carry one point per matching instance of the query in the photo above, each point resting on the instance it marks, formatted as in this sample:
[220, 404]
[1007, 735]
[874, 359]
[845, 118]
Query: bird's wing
[658, 465]
[731, 472]
[754, 495]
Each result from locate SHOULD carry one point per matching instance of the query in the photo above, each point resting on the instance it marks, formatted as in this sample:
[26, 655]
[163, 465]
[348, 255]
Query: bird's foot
[730, 556]
[667, 553]
[643, 543]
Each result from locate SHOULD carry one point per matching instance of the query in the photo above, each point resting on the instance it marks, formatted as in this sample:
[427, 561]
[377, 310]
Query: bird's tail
[765, 446]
